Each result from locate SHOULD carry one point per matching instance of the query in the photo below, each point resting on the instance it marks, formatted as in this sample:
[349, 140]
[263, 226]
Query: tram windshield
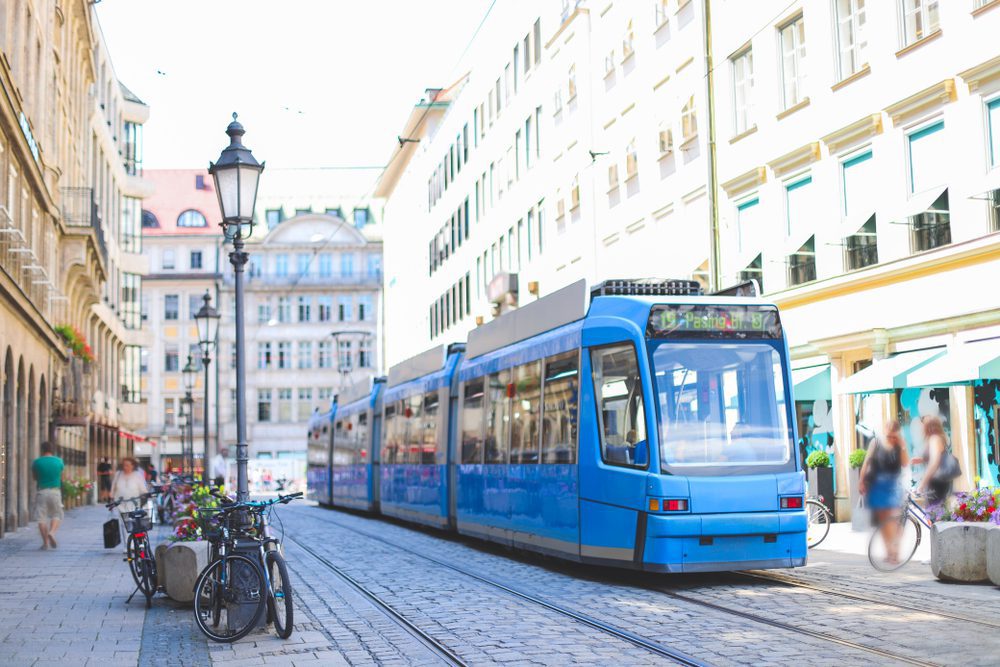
[722, 408]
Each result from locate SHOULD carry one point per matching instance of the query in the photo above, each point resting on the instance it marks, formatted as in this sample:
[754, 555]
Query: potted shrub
[820, 477]
[962, 537]
[860, 517]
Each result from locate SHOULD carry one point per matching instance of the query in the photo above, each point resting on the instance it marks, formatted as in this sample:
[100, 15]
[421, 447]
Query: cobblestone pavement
[68, 607]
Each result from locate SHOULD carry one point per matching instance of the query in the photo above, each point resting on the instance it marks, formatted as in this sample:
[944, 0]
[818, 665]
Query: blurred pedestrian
[880, 483]
[942, 466]
[48, 470]
[129, 482]
[151, 473]
[220, 467]
[104, 470]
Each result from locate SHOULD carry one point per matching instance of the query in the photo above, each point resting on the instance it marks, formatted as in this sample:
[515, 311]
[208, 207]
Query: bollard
[184, 561]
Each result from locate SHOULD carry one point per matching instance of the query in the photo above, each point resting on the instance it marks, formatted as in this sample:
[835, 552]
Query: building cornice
[745, 181]
[853, 134]
[982, 74]
[796, 159]
[922, 102]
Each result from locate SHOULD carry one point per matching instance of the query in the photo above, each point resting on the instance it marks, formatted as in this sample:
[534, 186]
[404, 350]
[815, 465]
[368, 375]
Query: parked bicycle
[820, 519]
[138, 553]
[903, 541]
[247, 573]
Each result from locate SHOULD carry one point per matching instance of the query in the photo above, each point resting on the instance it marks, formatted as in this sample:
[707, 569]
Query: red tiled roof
[176, 192]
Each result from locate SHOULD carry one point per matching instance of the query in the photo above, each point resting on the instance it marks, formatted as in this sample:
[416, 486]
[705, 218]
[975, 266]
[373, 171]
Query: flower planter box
[178, 567]
[959, 550]
[821, 484]
[993, 556]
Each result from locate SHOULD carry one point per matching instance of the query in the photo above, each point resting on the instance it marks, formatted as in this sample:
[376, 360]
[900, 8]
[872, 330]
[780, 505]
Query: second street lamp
[207, 319]
[190, 372]
[236, 174]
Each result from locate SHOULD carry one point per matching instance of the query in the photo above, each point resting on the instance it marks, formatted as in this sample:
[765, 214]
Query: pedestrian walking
[151, 473]
[942, 466]
[104, 470]
[220, 467]
[48, 469]
[880, 483]
[128, 482]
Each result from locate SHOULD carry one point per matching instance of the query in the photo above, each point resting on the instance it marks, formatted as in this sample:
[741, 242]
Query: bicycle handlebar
[142, 497]
[252, 505]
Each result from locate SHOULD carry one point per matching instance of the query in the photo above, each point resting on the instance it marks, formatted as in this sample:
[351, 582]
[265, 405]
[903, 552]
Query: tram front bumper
[719, 542]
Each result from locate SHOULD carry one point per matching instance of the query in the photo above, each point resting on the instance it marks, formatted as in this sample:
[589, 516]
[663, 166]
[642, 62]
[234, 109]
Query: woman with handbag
[942, 466]
[880, 482]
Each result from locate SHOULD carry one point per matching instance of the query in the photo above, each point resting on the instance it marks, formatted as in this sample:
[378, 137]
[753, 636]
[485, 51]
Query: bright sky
[315, 82]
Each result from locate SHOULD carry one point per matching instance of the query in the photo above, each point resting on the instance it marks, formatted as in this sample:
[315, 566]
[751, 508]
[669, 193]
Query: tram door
[375, 440]
[615, 454]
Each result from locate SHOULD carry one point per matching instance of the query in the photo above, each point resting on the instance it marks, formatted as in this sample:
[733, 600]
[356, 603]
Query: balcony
[929, 231]
[21, 263]
[71, 399]
[81, 212]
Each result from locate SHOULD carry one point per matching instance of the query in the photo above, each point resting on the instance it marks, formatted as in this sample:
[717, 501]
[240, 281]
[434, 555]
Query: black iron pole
[205, 359]
[238, 257]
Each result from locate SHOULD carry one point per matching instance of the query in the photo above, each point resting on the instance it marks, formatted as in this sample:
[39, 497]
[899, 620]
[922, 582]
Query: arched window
[191, 218]
[149, 220]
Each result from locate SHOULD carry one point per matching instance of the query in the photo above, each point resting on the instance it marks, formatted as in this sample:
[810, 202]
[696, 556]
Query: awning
[812, 384]
[853, 224]
[919, 203]
[962, 364]
[887, 375]
[988, 184]
[128, 435]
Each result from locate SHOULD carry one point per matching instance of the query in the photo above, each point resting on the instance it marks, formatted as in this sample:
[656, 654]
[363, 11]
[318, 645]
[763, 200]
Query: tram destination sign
[705, 321]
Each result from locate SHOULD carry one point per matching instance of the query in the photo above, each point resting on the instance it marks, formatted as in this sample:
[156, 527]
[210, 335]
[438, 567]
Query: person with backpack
[880, 482]
[942, 466]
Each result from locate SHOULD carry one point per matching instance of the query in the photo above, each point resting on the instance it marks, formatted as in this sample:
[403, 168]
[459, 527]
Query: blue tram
[318, 455]
[354, 463]
[649, 426]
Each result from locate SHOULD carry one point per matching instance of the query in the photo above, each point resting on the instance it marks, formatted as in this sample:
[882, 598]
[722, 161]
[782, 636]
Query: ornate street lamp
[207, 319]
[189, 373]
[236, 174]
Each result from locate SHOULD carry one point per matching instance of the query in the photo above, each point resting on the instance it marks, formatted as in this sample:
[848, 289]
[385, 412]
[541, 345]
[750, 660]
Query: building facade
[857, 158]
[568, 150]
[313, 302]
[182, 240]
[64, 154]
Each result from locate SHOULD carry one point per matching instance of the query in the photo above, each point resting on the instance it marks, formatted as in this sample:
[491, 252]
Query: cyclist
[880, 483]
[129, 482]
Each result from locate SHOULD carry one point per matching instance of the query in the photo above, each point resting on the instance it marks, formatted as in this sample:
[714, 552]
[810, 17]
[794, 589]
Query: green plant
[76, 342]
[818, 459]
[857, 458]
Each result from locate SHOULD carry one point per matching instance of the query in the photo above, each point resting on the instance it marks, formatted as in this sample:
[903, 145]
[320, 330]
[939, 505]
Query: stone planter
[993, 556]
[821, 484]
[958, 550]
[178, 567]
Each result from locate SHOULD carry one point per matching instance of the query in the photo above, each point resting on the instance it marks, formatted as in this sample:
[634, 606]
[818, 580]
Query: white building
[313, 293]
[569, 149]
[857, 154]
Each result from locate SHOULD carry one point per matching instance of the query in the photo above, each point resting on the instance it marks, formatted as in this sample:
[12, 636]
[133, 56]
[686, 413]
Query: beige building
[62, 124]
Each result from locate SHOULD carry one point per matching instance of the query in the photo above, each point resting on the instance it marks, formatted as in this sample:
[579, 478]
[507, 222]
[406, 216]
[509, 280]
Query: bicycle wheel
[280, 599]
[147, 580]
[819, 522]
[132, 556]
[888, 553]
[237, 583]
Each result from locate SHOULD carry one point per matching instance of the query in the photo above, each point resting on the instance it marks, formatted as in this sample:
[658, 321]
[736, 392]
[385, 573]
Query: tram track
[789, 581]
[652, 646]
[433, 645]
[690, 599]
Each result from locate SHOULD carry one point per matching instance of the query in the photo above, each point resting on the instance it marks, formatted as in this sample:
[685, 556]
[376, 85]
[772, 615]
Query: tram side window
[526, 407]
[497, 417]
[620, 406]
[361, 439]
[429, 429]
[559, 418]
[411, 429]
[389, 434]
[340, 456]
[472, 421]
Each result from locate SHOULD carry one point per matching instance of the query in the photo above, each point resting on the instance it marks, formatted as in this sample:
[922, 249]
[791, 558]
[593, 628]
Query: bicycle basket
[137, 523]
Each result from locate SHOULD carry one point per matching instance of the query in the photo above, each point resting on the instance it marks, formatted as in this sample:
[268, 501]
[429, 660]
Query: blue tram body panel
[355, 442]
[318, 450]
[648, 432]
[413, 468]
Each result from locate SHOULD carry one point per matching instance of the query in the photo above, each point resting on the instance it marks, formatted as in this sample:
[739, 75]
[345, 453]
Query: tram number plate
[704, 321]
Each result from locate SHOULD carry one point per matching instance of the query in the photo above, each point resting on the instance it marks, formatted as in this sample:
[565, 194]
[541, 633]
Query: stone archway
[28, 449]
[20, 445]
[8, 442]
